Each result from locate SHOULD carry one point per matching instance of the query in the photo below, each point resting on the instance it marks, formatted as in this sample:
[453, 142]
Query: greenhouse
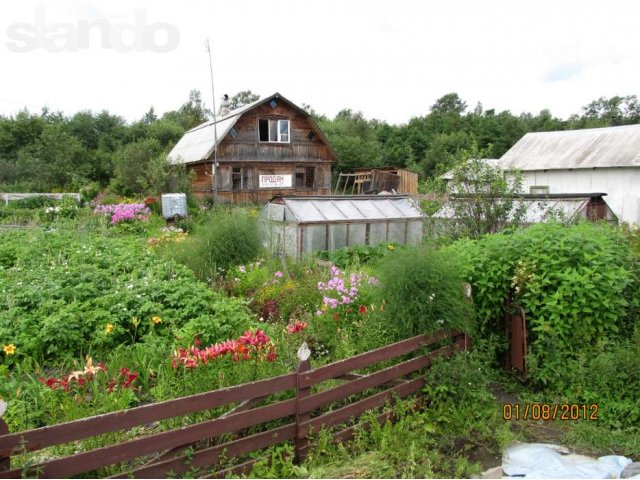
[296, 226]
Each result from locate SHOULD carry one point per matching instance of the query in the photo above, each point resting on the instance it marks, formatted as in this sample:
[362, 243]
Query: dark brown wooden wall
[245, 150]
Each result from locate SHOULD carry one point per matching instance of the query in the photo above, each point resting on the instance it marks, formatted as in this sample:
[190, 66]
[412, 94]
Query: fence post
[463, 341]
[302, 391]
[5, 457]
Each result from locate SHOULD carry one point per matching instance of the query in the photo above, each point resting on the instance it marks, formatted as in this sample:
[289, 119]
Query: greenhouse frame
[297, 226]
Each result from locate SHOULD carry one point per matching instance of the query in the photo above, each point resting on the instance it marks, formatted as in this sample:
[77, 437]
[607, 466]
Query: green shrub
[422, 288]
[574, 283]
[226, 239]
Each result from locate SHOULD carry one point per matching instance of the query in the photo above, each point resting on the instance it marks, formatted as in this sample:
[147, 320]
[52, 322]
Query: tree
[449, 104]
[55, 160]
[613, 111]
[482, 198]
[132, 164]
[242, 98]
[190, 114]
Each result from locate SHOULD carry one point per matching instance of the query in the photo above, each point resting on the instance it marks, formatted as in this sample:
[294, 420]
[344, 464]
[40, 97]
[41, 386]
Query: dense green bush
[574, 283]
[423, 291]
[226, 239]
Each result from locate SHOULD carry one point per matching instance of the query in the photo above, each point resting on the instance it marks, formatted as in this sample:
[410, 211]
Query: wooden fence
[180, 450]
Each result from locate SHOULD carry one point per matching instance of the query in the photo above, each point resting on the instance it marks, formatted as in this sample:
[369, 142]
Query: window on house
[305, 177]
[236, 178]
[271, 130]
[309, 176]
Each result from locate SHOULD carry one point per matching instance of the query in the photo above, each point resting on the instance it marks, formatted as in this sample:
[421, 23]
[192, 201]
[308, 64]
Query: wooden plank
[374, 380]
[210, 456]
[245, 405]
[358, 408]
[122, 452]
[337, 369]
[242, 469]
[110, 422]
[5, 457]
[302, 393]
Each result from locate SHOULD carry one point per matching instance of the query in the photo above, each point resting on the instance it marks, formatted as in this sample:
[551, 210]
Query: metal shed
[296, 226]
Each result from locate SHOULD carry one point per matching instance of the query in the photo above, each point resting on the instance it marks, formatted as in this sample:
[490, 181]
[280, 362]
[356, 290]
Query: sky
[391, 60]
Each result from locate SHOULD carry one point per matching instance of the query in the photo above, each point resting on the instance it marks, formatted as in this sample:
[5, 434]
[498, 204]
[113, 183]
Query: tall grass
[422, 289]
[227, 238]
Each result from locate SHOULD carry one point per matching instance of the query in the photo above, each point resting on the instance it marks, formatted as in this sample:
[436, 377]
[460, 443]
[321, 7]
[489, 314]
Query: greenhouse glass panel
[315, 238]
[276, 212]
[357, 234]
[288, 215]
[414, 232]
[306, 211]
[349, 211]
[369, 209]
[330, 210]
[397, 232]
[337, 236]
[291, 241]
[377, 233]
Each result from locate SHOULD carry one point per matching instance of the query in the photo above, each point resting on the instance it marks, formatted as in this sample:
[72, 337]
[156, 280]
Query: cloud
[564, 72]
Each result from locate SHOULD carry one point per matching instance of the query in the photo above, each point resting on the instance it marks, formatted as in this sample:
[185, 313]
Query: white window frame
[278, 136]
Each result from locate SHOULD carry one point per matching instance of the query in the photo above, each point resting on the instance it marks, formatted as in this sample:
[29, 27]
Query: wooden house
[266, 148]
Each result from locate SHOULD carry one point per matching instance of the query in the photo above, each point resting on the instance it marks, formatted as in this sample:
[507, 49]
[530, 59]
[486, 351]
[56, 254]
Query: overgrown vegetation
[422, 289]
[105, 307]
[574, 284]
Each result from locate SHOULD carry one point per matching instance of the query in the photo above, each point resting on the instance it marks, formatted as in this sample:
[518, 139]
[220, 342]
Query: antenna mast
[214, 168]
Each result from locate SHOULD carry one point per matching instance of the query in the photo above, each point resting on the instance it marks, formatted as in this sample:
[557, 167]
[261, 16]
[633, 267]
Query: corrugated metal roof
[198, 143]
[352, 208]
[536, 209]
[589, 148]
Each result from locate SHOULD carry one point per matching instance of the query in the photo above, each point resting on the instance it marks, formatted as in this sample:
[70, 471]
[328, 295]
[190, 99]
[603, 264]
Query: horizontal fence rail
[202, 445]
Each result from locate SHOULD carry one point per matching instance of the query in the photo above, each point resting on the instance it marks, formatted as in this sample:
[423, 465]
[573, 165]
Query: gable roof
[588, 148]
[199, 143]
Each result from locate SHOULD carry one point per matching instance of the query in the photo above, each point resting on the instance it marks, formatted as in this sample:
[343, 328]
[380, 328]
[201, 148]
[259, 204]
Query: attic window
[271, 130]
[273, 103]
[311, 136]
[234, 133]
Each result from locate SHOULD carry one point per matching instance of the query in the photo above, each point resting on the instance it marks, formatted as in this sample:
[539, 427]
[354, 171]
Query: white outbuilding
[603, 160]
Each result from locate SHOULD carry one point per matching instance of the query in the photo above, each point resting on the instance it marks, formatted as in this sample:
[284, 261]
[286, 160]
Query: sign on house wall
[276, 181]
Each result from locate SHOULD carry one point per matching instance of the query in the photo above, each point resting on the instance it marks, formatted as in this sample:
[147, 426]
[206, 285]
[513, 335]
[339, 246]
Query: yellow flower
[135, 321]
[9, 349]
[390, 247]
[109, 328]
[156, 320]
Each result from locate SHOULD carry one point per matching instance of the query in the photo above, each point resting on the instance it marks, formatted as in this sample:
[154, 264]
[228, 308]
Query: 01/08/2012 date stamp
[548, 411]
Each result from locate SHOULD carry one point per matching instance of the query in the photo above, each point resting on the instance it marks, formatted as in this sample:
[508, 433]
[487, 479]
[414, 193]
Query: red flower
[362, 310]
[296, 327]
